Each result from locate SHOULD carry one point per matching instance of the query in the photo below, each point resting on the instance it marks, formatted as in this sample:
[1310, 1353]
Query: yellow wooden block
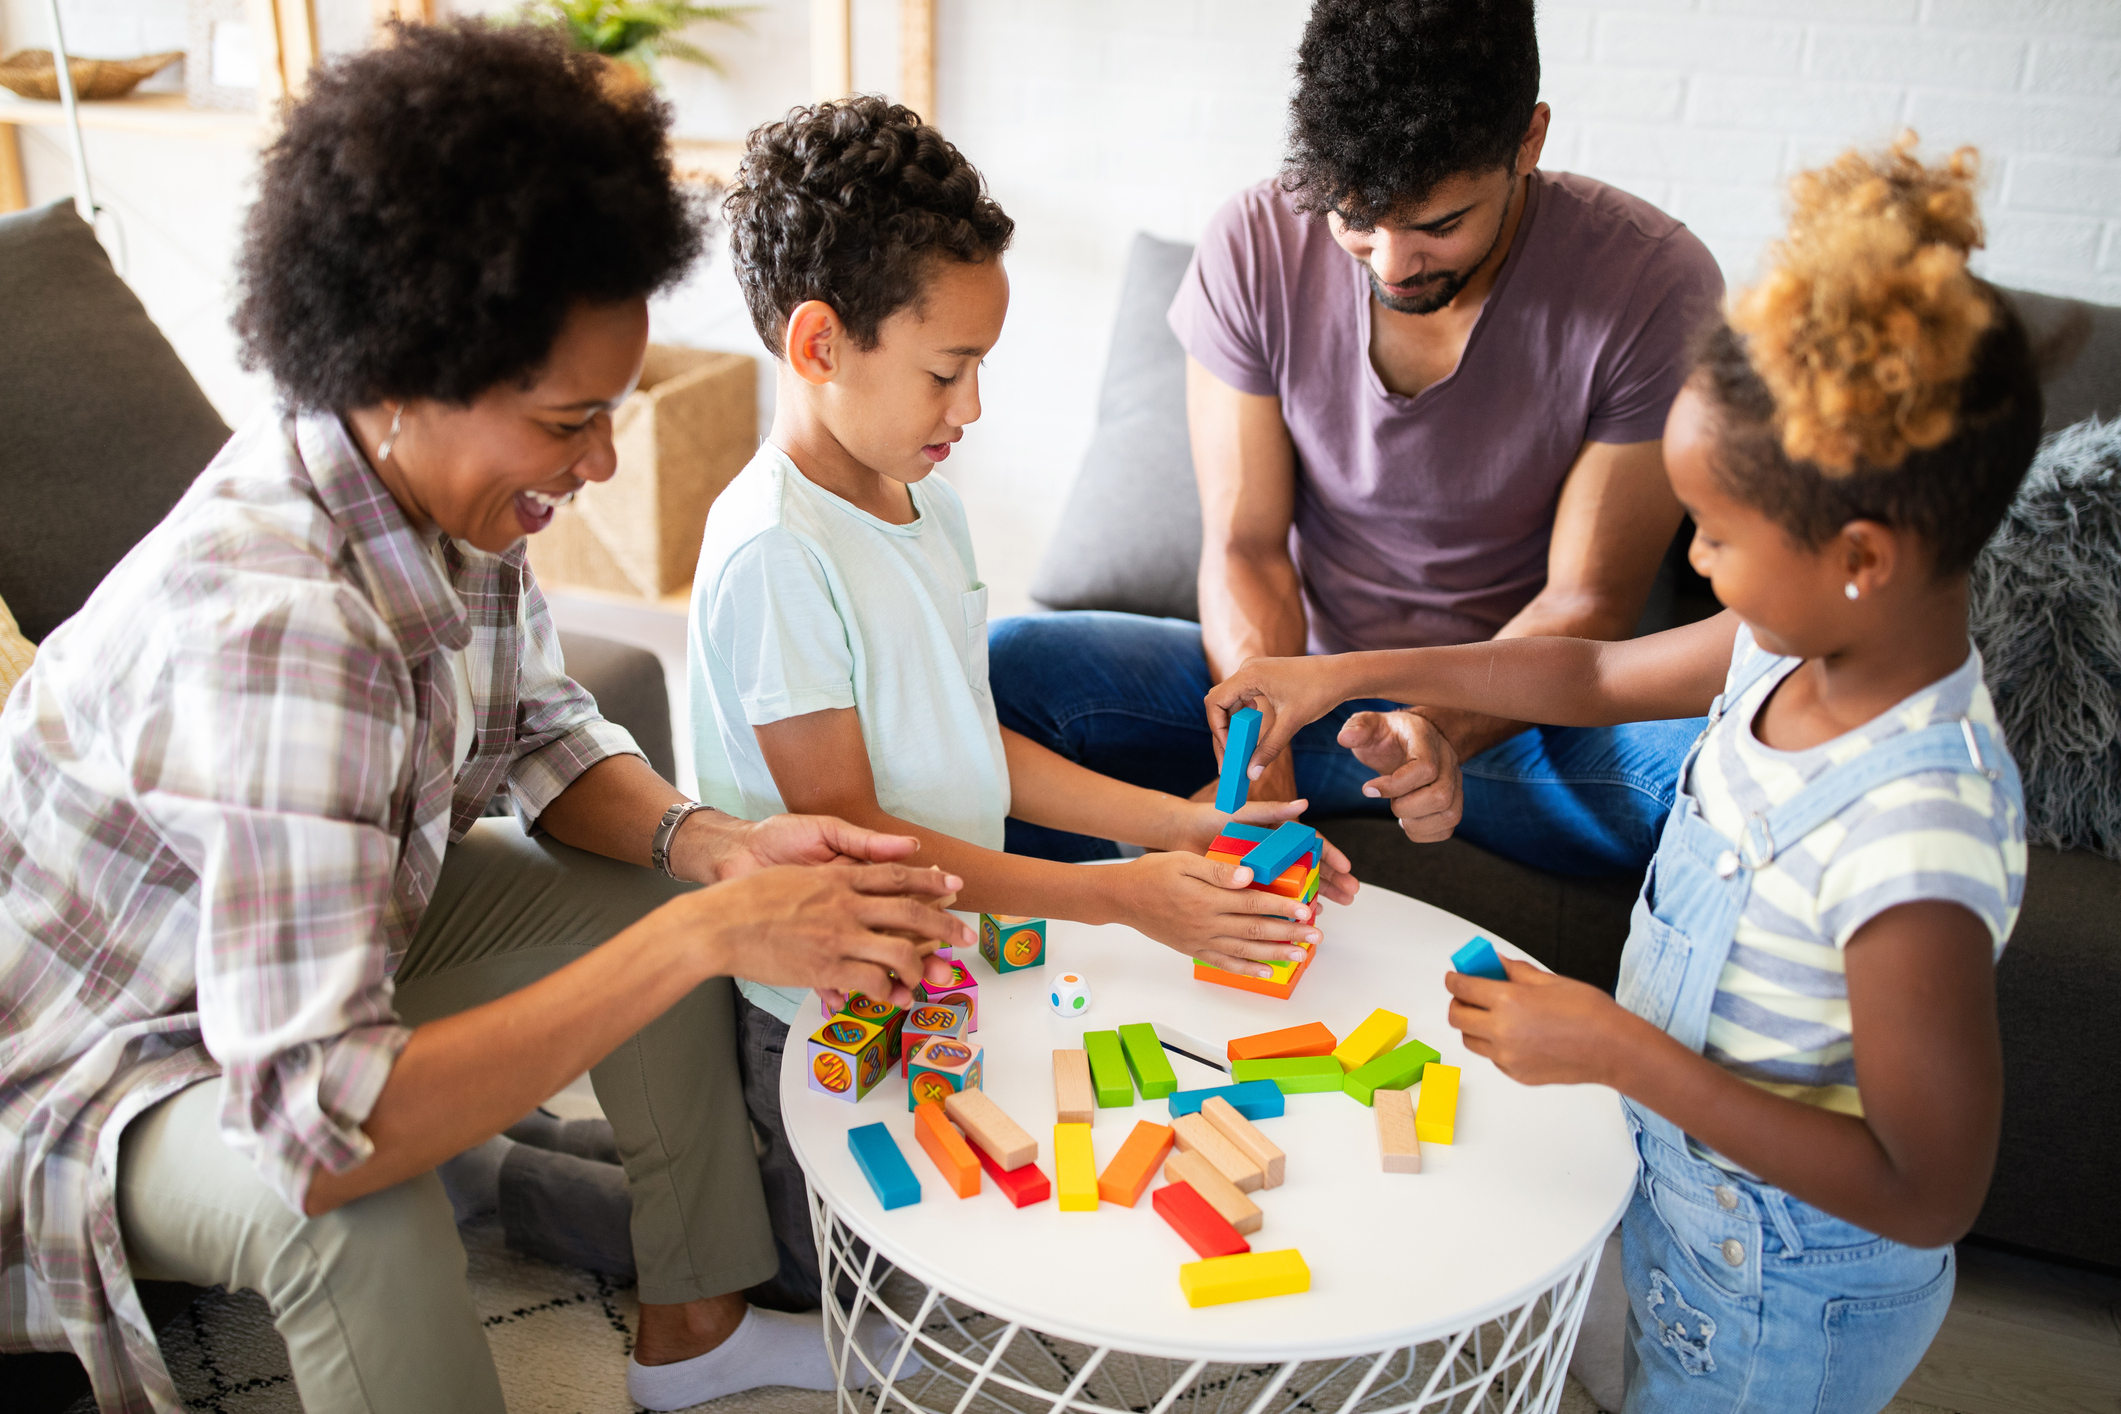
[1380, 1033]
[1074, 1168]
[1437, 1114]
[1244, 1276]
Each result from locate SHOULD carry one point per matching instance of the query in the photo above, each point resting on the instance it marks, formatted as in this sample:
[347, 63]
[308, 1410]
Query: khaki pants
[371, 1298]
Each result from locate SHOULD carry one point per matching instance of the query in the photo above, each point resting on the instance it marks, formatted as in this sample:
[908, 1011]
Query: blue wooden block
[1271, 856]
[883, 1165]
[1255, 1099]
[1478, 959]
[1235, 783]
[1252, 834]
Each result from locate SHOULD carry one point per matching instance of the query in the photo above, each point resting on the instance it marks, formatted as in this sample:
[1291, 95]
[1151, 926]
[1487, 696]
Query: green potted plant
[631, 35]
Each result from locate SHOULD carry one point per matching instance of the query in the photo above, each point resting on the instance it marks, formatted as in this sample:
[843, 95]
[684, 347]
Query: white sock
[767, 1348]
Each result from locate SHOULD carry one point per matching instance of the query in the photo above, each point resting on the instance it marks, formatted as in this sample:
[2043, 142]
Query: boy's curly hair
[435, 207]
[1870, 375]
[1395, 96]
[848, 202]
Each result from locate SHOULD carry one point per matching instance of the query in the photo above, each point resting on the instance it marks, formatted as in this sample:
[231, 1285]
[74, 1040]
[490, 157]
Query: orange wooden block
[1125, 1178]
[1265, 986]
[953, 1157]
[1311, 1039]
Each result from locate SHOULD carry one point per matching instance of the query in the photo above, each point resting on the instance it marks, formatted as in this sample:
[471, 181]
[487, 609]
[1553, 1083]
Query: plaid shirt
[226, 794]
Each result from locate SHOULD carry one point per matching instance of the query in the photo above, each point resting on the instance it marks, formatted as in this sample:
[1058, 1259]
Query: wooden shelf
[144, 113]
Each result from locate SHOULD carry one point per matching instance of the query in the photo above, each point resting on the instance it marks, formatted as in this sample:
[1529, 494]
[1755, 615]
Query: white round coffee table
[1460, 1287]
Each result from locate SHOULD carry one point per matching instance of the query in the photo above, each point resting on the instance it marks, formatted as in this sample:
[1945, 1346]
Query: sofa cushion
[628, 684]
[2078, 347]
[105, 428]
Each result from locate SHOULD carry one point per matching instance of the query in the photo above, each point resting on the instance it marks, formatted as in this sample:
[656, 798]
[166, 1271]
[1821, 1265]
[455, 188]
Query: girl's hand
[1539, 1028]
[1202, 908]
[1290, 693]
[1201, 822]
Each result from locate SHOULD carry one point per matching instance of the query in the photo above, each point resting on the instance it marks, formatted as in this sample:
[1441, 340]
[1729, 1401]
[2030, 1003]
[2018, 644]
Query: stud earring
[383, 453]
[1851, 590]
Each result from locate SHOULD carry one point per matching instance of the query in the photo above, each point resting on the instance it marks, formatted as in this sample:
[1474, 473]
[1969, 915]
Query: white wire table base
[972, 1363]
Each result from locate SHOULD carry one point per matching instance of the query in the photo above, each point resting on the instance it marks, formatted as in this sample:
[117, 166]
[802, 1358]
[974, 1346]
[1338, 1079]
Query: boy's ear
[813, 340]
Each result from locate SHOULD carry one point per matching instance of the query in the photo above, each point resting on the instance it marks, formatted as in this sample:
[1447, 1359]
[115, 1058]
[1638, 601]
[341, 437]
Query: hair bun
[1867, 319]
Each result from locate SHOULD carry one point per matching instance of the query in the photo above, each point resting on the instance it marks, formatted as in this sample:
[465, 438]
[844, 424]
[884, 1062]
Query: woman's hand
[868, 928]
[1202, 908]
[1540, 1028]
[711, 846]
[1201, 822]
[1290, 693]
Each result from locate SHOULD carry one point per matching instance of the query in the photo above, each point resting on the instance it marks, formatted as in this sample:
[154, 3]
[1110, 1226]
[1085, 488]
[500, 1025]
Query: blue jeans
[1121, 694]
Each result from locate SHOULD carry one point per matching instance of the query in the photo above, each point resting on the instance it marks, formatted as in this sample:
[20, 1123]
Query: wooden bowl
[30, 73]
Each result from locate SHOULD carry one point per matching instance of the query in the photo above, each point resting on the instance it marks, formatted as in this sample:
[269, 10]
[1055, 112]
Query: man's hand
[711, 846]
[1542, 1029]
[1418, 770]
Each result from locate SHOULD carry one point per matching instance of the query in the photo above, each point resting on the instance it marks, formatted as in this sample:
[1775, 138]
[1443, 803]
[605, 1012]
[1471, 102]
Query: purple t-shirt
[1425, 520]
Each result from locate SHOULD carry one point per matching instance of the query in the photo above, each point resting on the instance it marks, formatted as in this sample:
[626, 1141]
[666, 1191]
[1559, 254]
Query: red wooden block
[1024, 1186]
[1205, 1230]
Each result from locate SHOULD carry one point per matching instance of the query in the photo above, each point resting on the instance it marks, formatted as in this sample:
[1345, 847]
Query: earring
[383, 453]
[1851, 590]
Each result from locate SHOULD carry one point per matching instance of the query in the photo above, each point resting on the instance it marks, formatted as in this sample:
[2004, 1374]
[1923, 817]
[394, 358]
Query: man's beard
[1435, 297]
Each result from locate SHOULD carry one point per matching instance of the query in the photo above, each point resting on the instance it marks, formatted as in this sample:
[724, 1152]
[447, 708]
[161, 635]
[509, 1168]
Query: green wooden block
[1394, 1070]
[1108, 1069]
[1293, 1075]
[1145, 1057]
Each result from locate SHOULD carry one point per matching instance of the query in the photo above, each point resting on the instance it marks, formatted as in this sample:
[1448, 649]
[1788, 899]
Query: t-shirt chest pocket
[973, 603]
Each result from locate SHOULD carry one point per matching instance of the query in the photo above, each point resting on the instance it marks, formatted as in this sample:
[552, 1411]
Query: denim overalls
[1740, 1296]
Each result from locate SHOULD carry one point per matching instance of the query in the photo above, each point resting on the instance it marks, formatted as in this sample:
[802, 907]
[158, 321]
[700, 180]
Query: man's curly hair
[437, 205]
[1394, 97]
[849, 202]
[1870, 375]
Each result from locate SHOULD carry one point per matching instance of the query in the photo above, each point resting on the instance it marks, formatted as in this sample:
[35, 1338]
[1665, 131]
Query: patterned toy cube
[891, 1018]
[1010, 943]
[847, 1058]
[951, 1019]
[940, 1068]
[961, 990]
[1069, 995]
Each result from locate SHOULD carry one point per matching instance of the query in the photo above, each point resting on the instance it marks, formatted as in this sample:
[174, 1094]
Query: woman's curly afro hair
[1396, 96]
[437, 205]
[849, 202]
[1869, 375]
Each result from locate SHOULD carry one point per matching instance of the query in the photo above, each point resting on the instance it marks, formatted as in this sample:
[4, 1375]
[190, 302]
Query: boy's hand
[1539, 1028]
[1290, 693]
[1200, 907]
[1203, 822]
[711, 846]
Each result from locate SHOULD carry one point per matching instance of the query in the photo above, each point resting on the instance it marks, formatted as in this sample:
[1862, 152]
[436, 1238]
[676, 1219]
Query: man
[1426, 388]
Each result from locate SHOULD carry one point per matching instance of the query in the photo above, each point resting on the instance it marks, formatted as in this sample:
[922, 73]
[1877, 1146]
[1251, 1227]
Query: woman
[262, 964]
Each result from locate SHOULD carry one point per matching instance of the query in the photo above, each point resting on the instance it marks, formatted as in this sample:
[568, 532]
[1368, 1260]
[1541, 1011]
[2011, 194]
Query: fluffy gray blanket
[2046, 615]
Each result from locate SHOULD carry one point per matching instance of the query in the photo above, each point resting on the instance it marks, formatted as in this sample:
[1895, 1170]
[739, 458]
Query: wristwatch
[668, 831]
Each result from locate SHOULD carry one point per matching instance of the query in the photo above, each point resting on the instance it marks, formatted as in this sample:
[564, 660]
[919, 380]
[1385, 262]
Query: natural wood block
[1195, 1135]
[1245, 1136]
[1205, 1179]
[987, 1126]
[1397, 1148]
[1074, 1101]
[1125, 1178]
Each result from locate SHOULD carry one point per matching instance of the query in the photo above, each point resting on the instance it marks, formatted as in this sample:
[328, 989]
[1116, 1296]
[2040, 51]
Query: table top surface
[1536, 1178]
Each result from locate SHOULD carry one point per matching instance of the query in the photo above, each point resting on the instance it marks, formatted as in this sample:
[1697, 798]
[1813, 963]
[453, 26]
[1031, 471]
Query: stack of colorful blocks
[1283, 861]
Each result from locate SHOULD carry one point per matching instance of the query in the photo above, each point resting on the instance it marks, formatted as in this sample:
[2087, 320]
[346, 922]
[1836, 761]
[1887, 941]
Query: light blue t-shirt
[803, 603]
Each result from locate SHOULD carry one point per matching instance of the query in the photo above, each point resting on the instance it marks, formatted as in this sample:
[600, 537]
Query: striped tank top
[1781, 1014]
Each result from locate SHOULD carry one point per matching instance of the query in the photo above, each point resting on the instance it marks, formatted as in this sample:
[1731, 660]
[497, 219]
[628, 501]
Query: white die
[1070, 995]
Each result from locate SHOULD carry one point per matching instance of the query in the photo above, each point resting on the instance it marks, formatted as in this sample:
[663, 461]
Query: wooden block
[1191, 1218]
[1396, 1146]
[1255, 1099]
[1246, 1276]
[1074, 1102]
[1436, 1117]
[1135, 1164]
[1296, 1075]
[952, 1155]
[1109, 1075]
[1238, 1211]
[1279, 986]
[1075, 1168]
[1234, 782]
[1010, 942]
[1274, 854]
[1023, 1186]
[1145, 1058]
[1394, 1070]
[1379, 1032]
[989, 1128]
[941, 1066]
[1245, 1137]
[1310, 1039]
[884, 1166]
[1195, 1135]
[1479, 959]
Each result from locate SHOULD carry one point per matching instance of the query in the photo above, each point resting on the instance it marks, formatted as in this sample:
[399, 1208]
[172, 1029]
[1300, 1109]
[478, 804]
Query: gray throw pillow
[2046, 613]
[2078, 347]
[1130, 537]
[105, 428]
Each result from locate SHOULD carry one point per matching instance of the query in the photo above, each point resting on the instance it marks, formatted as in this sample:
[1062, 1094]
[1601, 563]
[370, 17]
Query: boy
[838, 650]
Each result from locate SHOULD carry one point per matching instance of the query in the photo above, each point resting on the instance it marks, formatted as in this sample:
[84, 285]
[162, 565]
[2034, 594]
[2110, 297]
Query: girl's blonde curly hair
[1867, 321]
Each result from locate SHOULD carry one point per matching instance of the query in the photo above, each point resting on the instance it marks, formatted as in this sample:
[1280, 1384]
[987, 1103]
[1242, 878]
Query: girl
[1805, 1030]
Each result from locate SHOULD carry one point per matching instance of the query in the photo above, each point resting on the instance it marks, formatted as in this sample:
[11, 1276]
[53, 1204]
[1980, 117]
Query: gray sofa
[1130, 540]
